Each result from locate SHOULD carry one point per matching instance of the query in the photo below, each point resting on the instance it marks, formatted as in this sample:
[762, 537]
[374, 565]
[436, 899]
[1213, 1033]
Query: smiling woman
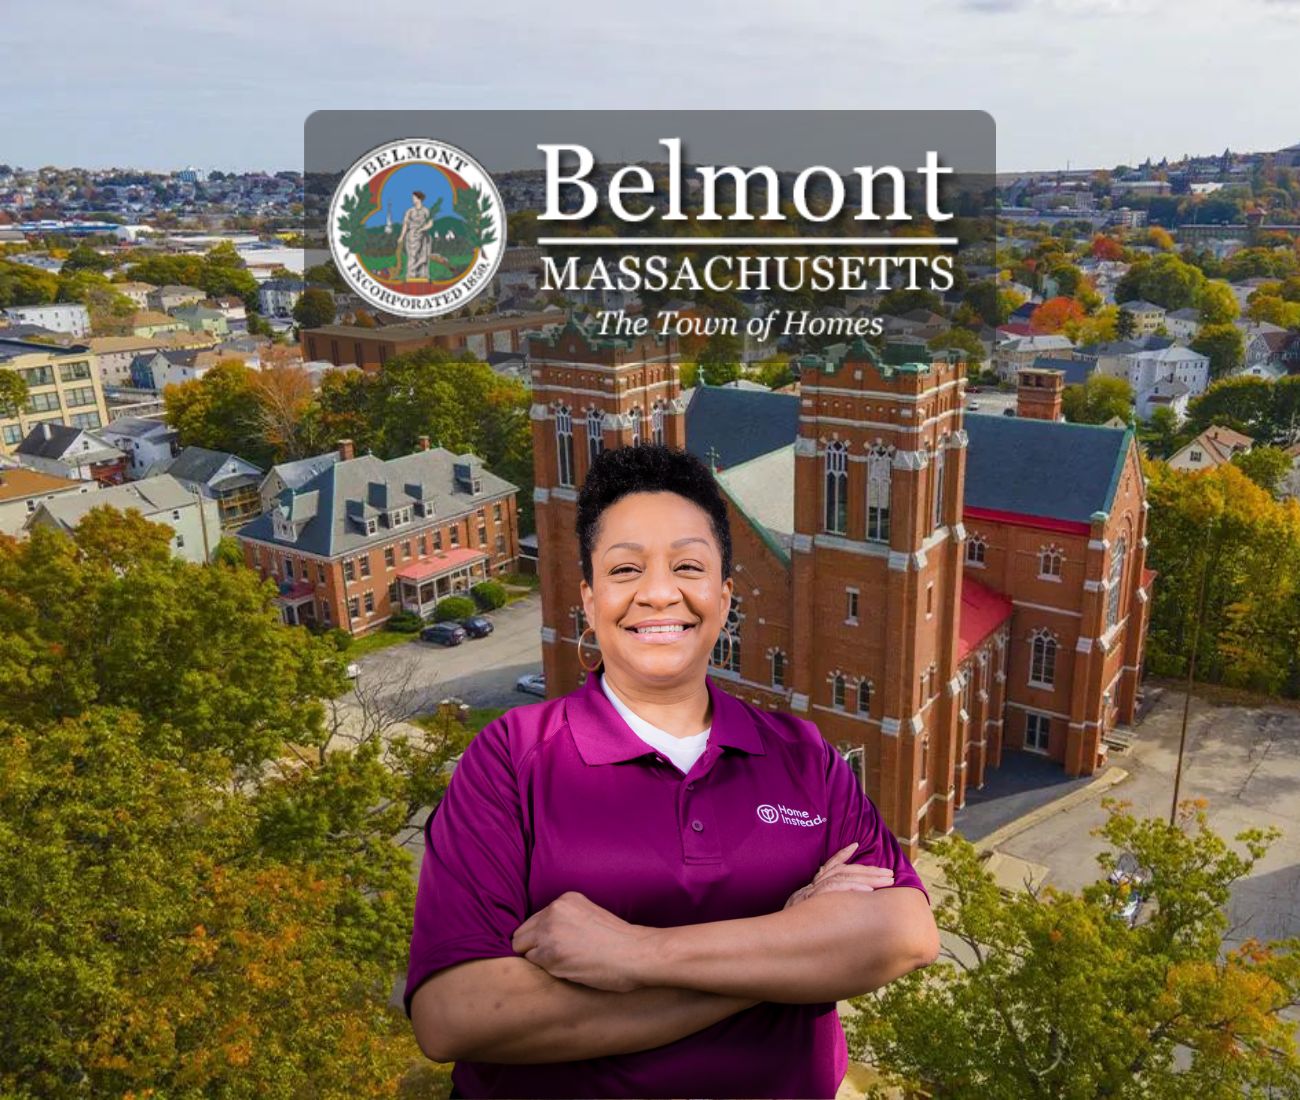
[650, 887]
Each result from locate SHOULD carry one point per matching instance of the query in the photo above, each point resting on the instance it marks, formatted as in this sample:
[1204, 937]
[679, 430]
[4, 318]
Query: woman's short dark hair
[649, 468]
[418, 195]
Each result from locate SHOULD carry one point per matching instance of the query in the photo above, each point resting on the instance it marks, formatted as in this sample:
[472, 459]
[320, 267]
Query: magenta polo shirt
[562, 795]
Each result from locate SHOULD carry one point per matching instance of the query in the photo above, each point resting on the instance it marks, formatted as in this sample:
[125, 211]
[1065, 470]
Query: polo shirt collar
[602, 737]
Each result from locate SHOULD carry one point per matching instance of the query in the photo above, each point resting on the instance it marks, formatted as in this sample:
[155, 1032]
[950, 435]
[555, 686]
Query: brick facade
[928, 683]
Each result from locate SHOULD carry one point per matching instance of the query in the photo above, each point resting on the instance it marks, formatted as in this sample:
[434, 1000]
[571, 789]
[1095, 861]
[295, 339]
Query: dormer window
[424, 508]
[399, 516]
[372, 525]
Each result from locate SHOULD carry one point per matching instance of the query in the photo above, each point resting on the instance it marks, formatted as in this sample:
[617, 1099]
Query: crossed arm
[585, 984]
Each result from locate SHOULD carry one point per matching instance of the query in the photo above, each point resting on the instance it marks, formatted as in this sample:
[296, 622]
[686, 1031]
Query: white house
[1183, 324]
[68, 317]
[22, 491]
[277, 297]
[1167, 394]
[193, 518]
[1147, 369]
[144, 440]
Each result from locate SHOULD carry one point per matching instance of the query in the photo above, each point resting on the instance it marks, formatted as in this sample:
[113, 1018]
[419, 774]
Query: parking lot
[1244, 760]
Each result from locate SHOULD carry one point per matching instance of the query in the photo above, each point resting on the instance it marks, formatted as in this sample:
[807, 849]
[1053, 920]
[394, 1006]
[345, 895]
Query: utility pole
[1191, 674]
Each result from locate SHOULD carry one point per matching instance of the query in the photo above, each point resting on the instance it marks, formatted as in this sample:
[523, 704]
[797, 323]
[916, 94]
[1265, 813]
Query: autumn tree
[1221, 526]
[1166, 280]
[1106, 248]
[201, 896]
[1046, 993]
[1055, 313]
[1216, 303]
[284, 399]
[1265, 466]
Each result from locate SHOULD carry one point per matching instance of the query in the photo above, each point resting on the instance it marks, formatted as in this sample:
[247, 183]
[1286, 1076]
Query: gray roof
[138, 427]
[731, 426]
[11, 348]
[149, 497]
[368, 486]
[1043, 468]
[1139, 306]
[53, 441]
[296, 474]
[1076, 371]
[198, 464]
[763, 489]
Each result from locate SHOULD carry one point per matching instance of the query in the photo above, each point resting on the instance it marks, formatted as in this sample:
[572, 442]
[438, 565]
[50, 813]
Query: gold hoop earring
[585, 666]
[730, 649]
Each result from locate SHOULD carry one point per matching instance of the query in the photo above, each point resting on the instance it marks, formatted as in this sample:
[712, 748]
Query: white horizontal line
[775, 242]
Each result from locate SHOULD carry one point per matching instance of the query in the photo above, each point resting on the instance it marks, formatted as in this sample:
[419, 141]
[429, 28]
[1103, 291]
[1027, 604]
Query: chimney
[45, 430]
[346, 450]
[424, 442]
[1039, 393]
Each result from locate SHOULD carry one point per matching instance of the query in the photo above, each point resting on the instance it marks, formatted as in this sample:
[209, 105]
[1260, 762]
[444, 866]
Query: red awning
[982, 612]
[443, 562]
[296, 591]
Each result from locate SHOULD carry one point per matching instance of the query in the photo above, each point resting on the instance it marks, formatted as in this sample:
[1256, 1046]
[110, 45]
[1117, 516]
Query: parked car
[1008, 412]
[973, 406]
[974, 389]
[532, 684]
[477, 626]
[1137, 878]
[444, 633]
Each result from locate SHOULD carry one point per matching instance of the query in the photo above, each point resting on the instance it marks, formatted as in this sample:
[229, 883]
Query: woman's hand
[575, 939]
[837, 874]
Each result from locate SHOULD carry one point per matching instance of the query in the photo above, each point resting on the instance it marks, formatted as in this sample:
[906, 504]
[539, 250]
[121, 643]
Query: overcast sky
[228, 83]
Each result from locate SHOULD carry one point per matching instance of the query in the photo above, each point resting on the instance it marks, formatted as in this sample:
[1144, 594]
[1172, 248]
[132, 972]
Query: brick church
[930, 589]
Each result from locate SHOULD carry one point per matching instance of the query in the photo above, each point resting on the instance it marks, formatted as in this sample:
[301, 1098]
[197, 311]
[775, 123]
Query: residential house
[223, 477]
[138, 293]
[161, 499]
[277, 297]
[150, 322]
[365, 538]
[1183, 324]
[1176, 363]
[293, 476]
[62, 388]
[1213, 447]
[1147, 316]
[200, 318]
[22, 490]
[1168, 393]
[1020, 351]
[1008, 552]
[164, 299]
[1265, 350]
[65, 317]
[148, 443]
[78, 454]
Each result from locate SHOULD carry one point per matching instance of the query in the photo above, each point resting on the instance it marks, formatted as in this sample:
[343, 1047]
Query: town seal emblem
[417, 228]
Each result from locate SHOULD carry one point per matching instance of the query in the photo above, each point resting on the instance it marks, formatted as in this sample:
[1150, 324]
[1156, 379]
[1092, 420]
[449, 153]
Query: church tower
[877, 573]
[589, 393]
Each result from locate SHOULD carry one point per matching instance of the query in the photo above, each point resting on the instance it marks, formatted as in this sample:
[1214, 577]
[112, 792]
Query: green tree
[1244, 403]
[1165, 280]
[963, 340]
[1160, 433]
[1225, 347]
[314, 308]
[1125, 324]
[85, 258]
[1217, 303]
[220, 411]
[1099, 399]
[1050, 995]
[719, 359]
[13, 392]
[1265, 466]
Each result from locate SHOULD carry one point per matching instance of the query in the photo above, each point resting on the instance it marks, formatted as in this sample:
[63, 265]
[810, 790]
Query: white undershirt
[682, 751]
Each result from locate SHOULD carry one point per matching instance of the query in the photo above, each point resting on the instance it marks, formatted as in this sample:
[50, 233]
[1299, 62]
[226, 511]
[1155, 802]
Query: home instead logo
[704, 204]
[416, 227]
[770, 815]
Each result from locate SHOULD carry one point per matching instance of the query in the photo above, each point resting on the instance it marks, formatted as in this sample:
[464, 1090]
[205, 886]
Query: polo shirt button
[697, 825]
[690, 786]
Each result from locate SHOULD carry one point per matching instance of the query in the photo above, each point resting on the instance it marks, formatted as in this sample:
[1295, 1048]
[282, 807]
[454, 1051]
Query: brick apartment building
[364, 538]
[931, 590]
[370, 348]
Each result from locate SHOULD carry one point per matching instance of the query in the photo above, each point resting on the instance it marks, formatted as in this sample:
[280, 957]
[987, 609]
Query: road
[481, 671]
